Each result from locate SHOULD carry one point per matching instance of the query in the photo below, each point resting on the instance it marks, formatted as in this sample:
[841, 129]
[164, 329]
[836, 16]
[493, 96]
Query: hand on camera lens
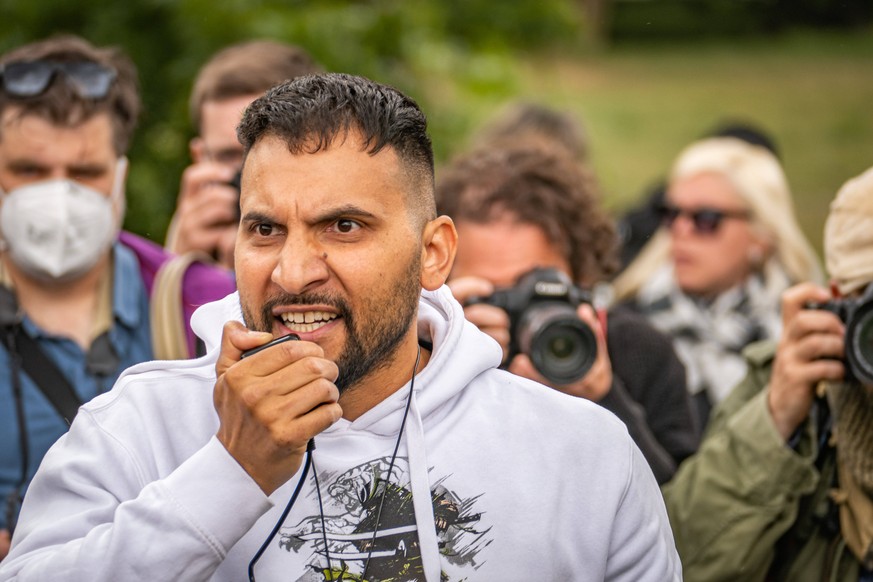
[810, 350]
[492, 320]
[596, 384]
[206, 215]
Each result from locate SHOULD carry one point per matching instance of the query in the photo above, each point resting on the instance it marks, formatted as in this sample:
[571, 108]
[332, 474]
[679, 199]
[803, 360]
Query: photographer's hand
[272, 403]
[810, 350]
[596, 384]
[492, 320]
[205, 217]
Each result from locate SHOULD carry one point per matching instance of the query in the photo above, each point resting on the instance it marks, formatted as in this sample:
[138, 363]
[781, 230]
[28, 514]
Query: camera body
[857, 314]
[544, 324]
[235, 183]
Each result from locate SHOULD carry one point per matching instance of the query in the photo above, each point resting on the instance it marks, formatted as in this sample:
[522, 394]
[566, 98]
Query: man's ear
[197, 149]
[440, 243]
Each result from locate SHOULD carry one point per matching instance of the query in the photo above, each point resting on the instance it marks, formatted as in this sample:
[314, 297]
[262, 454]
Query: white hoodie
[510, 479]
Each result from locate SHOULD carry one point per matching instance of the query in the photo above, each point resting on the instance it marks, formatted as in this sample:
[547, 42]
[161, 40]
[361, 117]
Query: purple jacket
[202, 283]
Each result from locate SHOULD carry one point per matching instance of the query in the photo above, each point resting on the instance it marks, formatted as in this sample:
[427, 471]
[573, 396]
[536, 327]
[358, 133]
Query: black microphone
[271, 343]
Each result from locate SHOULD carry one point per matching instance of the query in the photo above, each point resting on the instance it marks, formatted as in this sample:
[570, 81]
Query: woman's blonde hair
[758, 179]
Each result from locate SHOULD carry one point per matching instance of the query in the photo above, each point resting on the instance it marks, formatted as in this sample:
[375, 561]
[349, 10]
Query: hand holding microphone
[272, 397]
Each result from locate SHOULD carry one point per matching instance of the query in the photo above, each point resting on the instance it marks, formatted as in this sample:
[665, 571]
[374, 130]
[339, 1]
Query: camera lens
[859, 346]
[560, 345]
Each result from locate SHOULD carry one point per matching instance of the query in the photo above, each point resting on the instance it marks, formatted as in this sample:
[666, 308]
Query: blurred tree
[669, 20]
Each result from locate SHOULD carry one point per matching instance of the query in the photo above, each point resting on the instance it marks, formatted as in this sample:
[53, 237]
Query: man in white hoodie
[431, 464]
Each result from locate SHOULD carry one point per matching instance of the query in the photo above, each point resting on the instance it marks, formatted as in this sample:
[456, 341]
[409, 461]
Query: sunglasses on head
[30, 78]
[705, 220]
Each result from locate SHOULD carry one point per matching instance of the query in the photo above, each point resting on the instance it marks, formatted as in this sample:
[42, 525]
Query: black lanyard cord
[391, 466]
[309, 462]
[285, 513]
[323, 527]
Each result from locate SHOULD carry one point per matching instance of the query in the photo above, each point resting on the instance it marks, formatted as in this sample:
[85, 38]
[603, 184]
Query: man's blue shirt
[130, 340]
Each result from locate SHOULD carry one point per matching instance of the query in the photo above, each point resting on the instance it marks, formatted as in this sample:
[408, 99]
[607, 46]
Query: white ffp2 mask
[57, 230]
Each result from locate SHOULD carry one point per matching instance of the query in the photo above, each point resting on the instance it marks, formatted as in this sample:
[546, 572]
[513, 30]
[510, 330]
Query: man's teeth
[307, 320]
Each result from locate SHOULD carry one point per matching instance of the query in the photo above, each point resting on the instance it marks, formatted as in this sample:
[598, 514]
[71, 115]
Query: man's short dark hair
[61, 105]
[542, 187]
[311, 112]
[247, 68]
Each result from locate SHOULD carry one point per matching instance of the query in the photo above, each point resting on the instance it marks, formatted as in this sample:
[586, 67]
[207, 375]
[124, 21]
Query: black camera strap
[43, 371]
[27, 355]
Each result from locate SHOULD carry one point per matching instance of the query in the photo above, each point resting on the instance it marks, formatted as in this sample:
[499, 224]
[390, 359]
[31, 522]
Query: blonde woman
[712, 276]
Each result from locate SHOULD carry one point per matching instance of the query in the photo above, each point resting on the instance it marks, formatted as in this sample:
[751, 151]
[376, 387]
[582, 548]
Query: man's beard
[373, 334]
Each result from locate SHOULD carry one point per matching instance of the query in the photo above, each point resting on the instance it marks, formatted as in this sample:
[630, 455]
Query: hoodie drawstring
[422, 500]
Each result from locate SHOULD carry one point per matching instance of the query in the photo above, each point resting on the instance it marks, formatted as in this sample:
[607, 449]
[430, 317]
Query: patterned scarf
[709, 336]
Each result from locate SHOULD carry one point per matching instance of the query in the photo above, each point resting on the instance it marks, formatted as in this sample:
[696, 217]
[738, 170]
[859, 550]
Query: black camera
[544, 324]
[857, 314]
[235, 183]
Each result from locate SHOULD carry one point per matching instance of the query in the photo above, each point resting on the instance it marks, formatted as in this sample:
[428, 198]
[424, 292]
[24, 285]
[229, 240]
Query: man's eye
[264, 229]
[346, 225]
[86, 175]
[28, 171]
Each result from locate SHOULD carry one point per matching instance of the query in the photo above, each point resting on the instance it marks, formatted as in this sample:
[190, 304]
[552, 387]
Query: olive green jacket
[743, 508]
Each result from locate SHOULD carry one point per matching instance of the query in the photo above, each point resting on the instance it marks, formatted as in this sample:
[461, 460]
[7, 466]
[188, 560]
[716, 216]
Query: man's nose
[683, 226]
[301, 266]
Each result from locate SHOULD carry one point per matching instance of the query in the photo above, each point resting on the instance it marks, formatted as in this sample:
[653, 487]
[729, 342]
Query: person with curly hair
[528, 207]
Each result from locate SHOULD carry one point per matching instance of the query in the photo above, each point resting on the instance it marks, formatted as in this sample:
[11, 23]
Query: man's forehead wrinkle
[90, 141]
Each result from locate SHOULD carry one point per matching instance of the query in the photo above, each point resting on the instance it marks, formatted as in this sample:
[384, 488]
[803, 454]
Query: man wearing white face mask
[57, 230]
[75, 291]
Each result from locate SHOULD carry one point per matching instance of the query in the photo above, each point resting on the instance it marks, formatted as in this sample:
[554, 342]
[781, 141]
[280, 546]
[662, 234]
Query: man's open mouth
[307, 321]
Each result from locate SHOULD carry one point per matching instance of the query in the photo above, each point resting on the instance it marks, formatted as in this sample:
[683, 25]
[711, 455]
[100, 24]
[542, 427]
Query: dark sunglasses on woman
[30, 78]
[705, 220]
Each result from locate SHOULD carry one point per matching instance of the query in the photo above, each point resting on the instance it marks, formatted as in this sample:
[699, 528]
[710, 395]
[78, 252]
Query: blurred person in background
[535, 125]
[207, 211]
[782, 486]
[712, 277]
[75, 304]
[638, 224]
[517, 209]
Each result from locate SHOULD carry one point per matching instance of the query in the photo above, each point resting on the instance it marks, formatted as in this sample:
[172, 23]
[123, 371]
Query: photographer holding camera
[530, 229]
[207, 212]
[80, 298]
[782, 486]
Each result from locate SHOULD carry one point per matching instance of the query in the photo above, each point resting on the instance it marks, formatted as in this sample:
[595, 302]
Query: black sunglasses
[705, 220]
[30, 78]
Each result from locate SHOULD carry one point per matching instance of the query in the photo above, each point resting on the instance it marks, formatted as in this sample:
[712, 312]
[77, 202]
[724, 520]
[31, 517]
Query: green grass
[643, 103]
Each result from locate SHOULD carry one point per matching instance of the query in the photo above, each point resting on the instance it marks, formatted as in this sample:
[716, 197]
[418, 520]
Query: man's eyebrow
[88, 167]
[25, 164]
[345, 211]
[255, 216]
[329, 215]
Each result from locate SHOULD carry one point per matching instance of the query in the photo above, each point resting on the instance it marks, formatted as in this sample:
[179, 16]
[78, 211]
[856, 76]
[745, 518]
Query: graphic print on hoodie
[351, 504]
